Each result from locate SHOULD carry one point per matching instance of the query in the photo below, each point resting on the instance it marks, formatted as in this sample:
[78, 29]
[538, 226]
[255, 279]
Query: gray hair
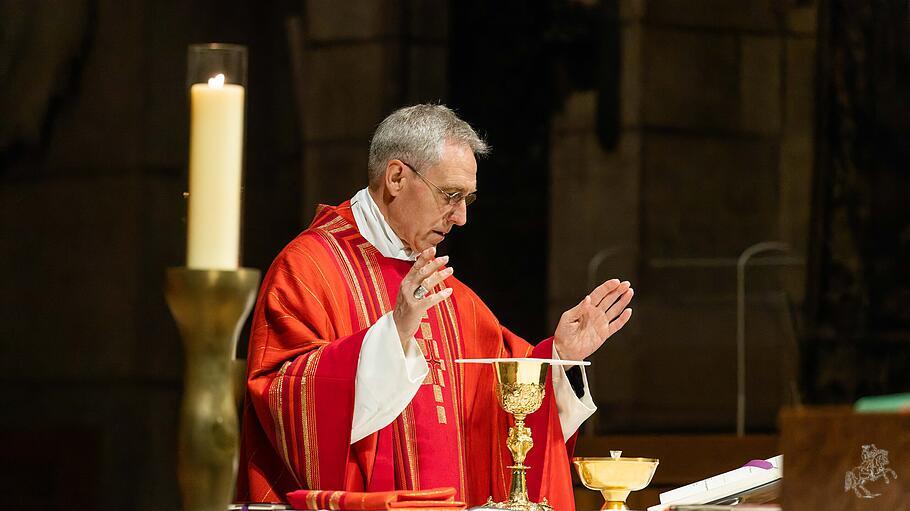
[416, 134]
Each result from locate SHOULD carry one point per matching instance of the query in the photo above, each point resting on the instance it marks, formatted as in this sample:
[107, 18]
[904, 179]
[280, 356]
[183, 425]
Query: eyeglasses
[452, 198]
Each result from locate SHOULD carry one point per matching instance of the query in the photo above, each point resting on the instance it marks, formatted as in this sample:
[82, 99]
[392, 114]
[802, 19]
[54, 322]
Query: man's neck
[379, 198]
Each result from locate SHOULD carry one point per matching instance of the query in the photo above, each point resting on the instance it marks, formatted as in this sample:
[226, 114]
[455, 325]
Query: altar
[835, 459]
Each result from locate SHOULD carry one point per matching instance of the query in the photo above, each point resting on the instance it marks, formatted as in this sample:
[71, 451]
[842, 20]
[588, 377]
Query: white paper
[551, 361]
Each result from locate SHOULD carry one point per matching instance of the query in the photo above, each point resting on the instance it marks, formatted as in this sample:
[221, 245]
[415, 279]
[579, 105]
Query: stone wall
[93, 151]
[361, 60]
[714, 155]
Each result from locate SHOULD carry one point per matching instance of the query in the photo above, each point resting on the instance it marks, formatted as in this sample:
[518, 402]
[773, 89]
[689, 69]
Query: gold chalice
[520, 387]
[615, 477]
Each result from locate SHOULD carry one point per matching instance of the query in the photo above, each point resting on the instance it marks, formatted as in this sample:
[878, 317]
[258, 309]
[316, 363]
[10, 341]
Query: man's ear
[394, 177]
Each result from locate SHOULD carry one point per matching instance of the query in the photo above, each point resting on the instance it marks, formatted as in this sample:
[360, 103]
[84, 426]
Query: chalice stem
[519, 442]
[519, 491]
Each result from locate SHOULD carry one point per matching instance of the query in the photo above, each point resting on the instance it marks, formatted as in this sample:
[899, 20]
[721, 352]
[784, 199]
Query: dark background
[660, 137]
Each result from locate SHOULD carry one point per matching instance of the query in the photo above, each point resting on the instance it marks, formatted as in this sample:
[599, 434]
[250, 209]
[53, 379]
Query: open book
[751, 483]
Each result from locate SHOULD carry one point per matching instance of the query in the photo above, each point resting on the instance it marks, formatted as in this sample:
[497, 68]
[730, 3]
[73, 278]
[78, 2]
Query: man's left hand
[584, 328]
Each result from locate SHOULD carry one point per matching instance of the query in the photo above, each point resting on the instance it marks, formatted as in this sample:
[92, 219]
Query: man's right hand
[409, 309]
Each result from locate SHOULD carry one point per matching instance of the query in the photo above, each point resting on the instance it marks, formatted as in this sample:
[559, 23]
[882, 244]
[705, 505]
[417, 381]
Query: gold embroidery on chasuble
[334, 500]
[308, 409]
[276, 400]
[449, 347]
[441, 414]
[440, 342]
[409, 431]
[437, 366]
[438, 403]
[368, 290]
[371, 299]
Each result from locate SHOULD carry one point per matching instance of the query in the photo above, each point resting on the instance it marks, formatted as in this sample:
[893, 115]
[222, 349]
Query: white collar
[373, 226]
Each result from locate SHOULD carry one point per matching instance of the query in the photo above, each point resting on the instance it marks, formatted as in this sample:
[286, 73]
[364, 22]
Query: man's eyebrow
[454, 188]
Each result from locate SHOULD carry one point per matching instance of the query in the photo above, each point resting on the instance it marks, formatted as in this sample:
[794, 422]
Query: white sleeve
[388, 377]
[572, 410]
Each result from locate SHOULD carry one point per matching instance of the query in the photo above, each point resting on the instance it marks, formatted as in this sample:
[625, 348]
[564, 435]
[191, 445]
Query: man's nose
[459, 215]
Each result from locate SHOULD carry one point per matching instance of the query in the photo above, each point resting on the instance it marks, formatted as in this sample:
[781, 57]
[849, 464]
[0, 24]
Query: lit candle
[216, 154]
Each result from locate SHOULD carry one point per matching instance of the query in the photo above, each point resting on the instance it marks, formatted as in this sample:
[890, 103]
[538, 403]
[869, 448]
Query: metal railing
[744, 259]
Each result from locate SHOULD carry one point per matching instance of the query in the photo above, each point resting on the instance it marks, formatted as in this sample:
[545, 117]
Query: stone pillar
[361, 60]
[714, 155]
[595, 203]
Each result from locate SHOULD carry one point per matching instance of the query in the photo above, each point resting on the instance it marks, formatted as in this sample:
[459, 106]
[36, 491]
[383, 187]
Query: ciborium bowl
[615, 477]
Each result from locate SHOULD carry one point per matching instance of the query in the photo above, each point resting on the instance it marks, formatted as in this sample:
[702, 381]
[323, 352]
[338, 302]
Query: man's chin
[428, 244]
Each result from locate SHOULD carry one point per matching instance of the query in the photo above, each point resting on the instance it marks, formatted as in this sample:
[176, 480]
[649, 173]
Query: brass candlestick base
[210, 307]
[615, 477]
[520, 386]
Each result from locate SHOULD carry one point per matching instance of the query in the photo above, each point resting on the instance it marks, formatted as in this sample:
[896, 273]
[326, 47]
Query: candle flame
[217, 81]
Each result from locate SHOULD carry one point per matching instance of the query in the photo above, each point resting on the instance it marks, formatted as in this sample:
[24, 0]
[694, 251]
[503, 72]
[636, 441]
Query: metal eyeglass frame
[452, 198]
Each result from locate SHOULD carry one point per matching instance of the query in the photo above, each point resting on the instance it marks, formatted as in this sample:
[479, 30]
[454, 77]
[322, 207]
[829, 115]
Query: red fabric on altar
[437, 499]
[321, 294]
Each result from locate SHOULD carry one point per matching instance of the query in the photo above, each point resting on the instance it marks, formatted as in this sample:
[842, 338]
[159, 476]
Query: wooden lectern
[834, 460]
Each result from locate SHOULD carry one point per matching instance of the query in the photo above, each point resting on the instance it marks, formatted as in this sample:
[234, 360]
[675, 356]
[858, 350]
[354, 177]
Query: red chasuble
[322, 293]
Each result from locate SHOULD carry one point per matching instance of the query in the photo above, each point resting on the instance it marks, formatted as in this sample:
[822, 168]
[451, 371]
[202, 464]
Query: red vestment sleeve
[552, 459]
[298, 363]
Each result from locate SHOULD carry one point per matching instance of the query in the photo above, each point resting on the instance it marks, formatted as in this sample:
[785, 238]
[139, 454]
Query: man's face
[422, 213]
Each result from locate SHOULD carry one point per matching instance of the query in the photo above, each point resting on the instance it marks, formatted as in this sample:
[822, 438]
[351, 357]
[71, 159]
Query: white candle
[216, 154]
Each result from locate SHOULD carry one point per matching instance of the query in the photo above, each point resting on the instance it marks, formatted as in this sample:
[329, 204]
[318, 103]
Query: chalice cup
[615, 477]
[520, 387]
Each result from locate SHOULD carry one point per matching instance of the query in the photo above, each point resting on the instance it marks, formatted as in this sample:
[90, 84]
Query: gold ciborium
[615, 477]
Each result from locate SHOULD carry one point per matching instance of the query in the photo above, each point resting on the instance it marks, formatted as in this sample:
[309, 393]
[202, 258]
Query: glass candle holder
[216, 83]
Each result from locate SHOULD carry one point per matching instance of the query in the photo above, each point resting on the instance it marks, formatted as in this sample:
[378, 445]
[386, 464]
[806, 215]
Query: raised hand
[584, 328]
[416, 294]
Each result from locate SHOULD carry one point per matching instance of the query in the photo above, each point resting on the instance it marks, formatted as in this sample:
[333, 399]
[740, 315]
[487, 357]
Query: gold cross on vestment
[436, 374]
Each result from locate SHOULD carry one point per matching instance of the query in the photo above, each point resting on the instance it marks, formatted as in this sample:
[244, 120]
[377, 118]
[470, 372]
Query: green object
[892, 403]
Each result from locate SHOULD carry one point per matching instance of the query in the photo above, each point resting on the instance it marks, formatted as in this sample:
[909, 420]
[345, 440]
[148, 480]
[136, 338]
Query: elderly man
[352, 384]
